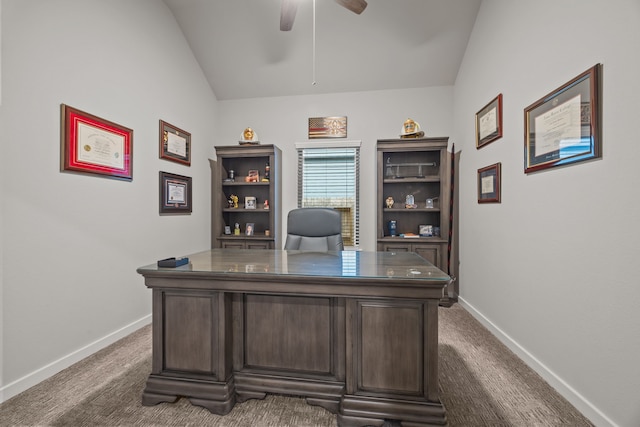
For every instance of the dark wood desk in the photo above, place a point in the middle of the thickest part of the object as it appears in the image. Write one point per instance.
(353, 332)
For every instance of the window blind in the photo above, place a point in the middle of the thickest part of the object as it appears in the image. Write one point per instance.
(330, 177)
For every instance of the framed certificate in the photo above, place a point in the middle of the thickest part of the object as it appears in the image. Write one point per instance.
(563, 127)
(489, 184)
(489, 122)
(92, 145)
(175, 144)
(175, 193)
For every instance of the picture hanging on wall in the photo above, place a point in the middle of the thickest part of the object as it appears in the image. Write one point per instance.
(327, 127)
(92, 145)
(563, 127)
(175, 193)
(489, 186)
(175, 144)
(489, 122)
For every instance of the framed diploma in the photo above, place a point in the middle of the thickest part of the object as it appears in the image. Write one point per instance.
(564, 127)
(175, 193)
(175, 144)
(91, 145)
(489, 183)
(489, 122)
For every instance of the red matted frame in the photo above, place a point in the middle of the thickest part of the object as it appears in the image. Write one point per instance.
(489, 122)
(92, 145)
(489, 183)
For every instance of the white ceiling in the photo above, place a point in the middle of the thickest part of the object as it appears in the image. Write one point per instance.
(393, 44)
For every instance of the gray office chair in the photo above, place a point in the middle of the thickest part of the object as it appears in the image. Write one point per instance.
(314, 229)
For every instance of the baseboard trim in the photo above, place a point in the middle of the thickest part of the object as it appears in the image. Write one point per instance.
(576, 399)
(18, 386)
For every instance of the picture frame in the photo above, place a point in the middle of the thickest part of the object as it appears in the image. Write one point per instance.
(564, 126)
(489, 183)
(489, 122)
(175, 193)
(92, 145)
(425, 230)
(327, 127)
(249, 229)
(249, 202)
(175, 144)
(253, 175)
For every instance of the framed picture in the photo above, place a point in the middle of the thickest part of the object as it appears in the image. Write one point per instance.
(489, 184)
(563, 127)
(489, 122)
(249, 202)
(426, 230)
(175, 193)
(249, 229)
(253, 176)
(175, 144)
(92, 145)
(327, 127)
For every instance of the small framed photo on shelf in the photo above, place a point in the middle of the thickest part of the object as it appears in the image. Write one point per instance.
(92, 145)
(175, 194)
(175, 144)
(253, 176)
(426, 230)
(249, 202)
(249, 229)
(563, 127)
(489, 184)
(489, 122)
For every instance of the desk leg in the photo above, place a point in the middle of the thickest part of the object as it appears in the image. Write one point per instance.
(191, 351)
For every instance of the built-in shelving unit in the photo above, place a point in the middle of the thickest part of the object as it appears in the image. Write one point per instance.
(241, 159)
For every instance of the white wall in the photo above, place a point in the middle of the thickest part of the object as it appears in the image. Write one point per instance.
(554, 266)
(283, 121)
(71, 243)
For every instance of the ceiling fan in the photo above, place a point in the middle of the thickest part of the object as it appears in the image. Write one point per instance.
(289, 8)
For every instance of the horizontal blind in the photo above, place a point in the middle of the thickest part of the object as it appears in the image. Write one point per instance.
(329, 177)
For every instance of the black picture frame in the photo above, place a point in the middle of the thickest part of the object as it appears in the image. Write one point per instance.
(175, 194)
(564, 126)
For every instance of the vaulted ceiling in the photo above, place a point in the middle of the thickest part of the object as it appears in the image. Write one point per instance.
(393, 44)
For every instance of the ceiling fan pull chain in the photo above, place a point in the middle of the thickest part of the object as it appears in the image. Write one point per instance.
(314, 44)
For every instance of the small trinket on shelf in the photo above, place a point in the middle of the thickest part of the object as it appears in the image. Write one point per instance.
(267, 173)
(236, 230)
(389, 202)
(265, 205)
(233, 199)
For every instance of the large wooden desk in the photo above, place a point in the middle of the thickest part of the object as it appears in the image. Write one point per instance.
(353, 332)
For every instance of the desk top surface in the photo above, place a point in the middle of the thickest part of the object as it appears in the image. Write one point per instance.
(397, 266)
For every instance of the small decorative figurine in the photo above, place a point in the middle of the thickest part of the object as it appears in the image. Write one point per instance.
(267, 173)
(236, 230)
(265, 205)
(411, 129)
(389, 202)
(249, 137)
(234, 199)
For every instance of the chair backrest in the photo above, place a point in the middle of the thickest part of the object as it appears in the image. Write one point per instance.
(314, 229)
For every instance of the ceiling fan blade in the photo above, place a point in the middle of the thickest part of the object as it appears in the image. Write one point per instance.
(355, 6)
(288, 14)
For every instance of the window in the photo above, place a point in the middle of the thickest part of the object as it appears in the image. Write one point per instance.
(329, 176)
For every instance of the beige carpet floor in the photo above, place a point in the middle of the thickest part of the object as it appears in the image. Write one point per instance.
(482, 383)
